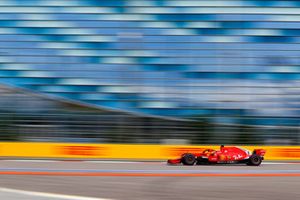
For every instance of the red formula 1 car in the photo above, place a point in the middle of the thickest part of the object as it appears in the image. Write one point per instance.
(226, 155)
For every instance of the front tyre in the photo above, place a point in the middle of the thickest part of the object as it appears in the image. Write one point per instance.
(188, 159)
(254, 160)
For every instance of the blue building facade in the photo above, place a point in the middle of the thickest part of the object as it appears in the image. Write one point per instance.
(231, 61)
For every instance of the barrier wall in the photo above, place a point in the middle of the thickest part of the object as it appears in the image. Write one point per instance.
(123, 151)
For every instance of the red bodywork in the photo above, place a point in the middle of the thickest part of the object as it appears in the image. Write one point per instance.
(224, 155)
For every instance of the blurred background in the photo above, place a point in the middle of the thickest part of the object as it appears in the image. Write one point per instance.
(150, 71)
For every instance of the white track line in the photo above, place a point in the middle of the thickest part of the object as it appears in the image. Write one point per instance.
(30, 160)
(275, 163)
(48, 195)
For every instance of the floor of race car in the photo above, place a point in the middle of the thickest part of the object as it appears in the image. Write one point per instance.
(146, 180)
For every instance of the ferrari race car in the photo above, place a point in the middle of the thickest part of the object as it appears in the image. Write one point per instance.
(226, 155)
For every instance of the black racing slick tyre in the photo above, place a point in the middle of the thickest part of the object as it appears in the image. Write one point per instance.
(255, 160)
(188, 159)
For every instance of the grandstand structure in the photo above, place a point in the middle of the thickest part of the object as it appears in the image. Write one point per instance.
(202, 69)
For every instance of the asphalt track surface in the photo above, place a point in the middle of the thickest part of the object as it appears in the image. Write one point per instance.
(44, 180)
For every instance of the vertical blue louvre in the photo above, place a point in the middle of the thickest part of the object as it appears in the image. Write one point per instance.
(184, 59)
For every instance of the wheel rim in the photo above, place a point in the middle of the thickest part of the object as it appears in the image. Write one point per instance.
(189, 159)
(256, 160)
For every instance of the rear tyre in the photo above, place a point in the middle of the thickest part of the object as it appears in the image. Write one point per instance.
(188, 159)
(255, 160)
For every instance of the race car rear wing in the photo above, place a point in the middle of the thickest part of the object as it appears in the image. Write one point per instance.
(260, 152)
